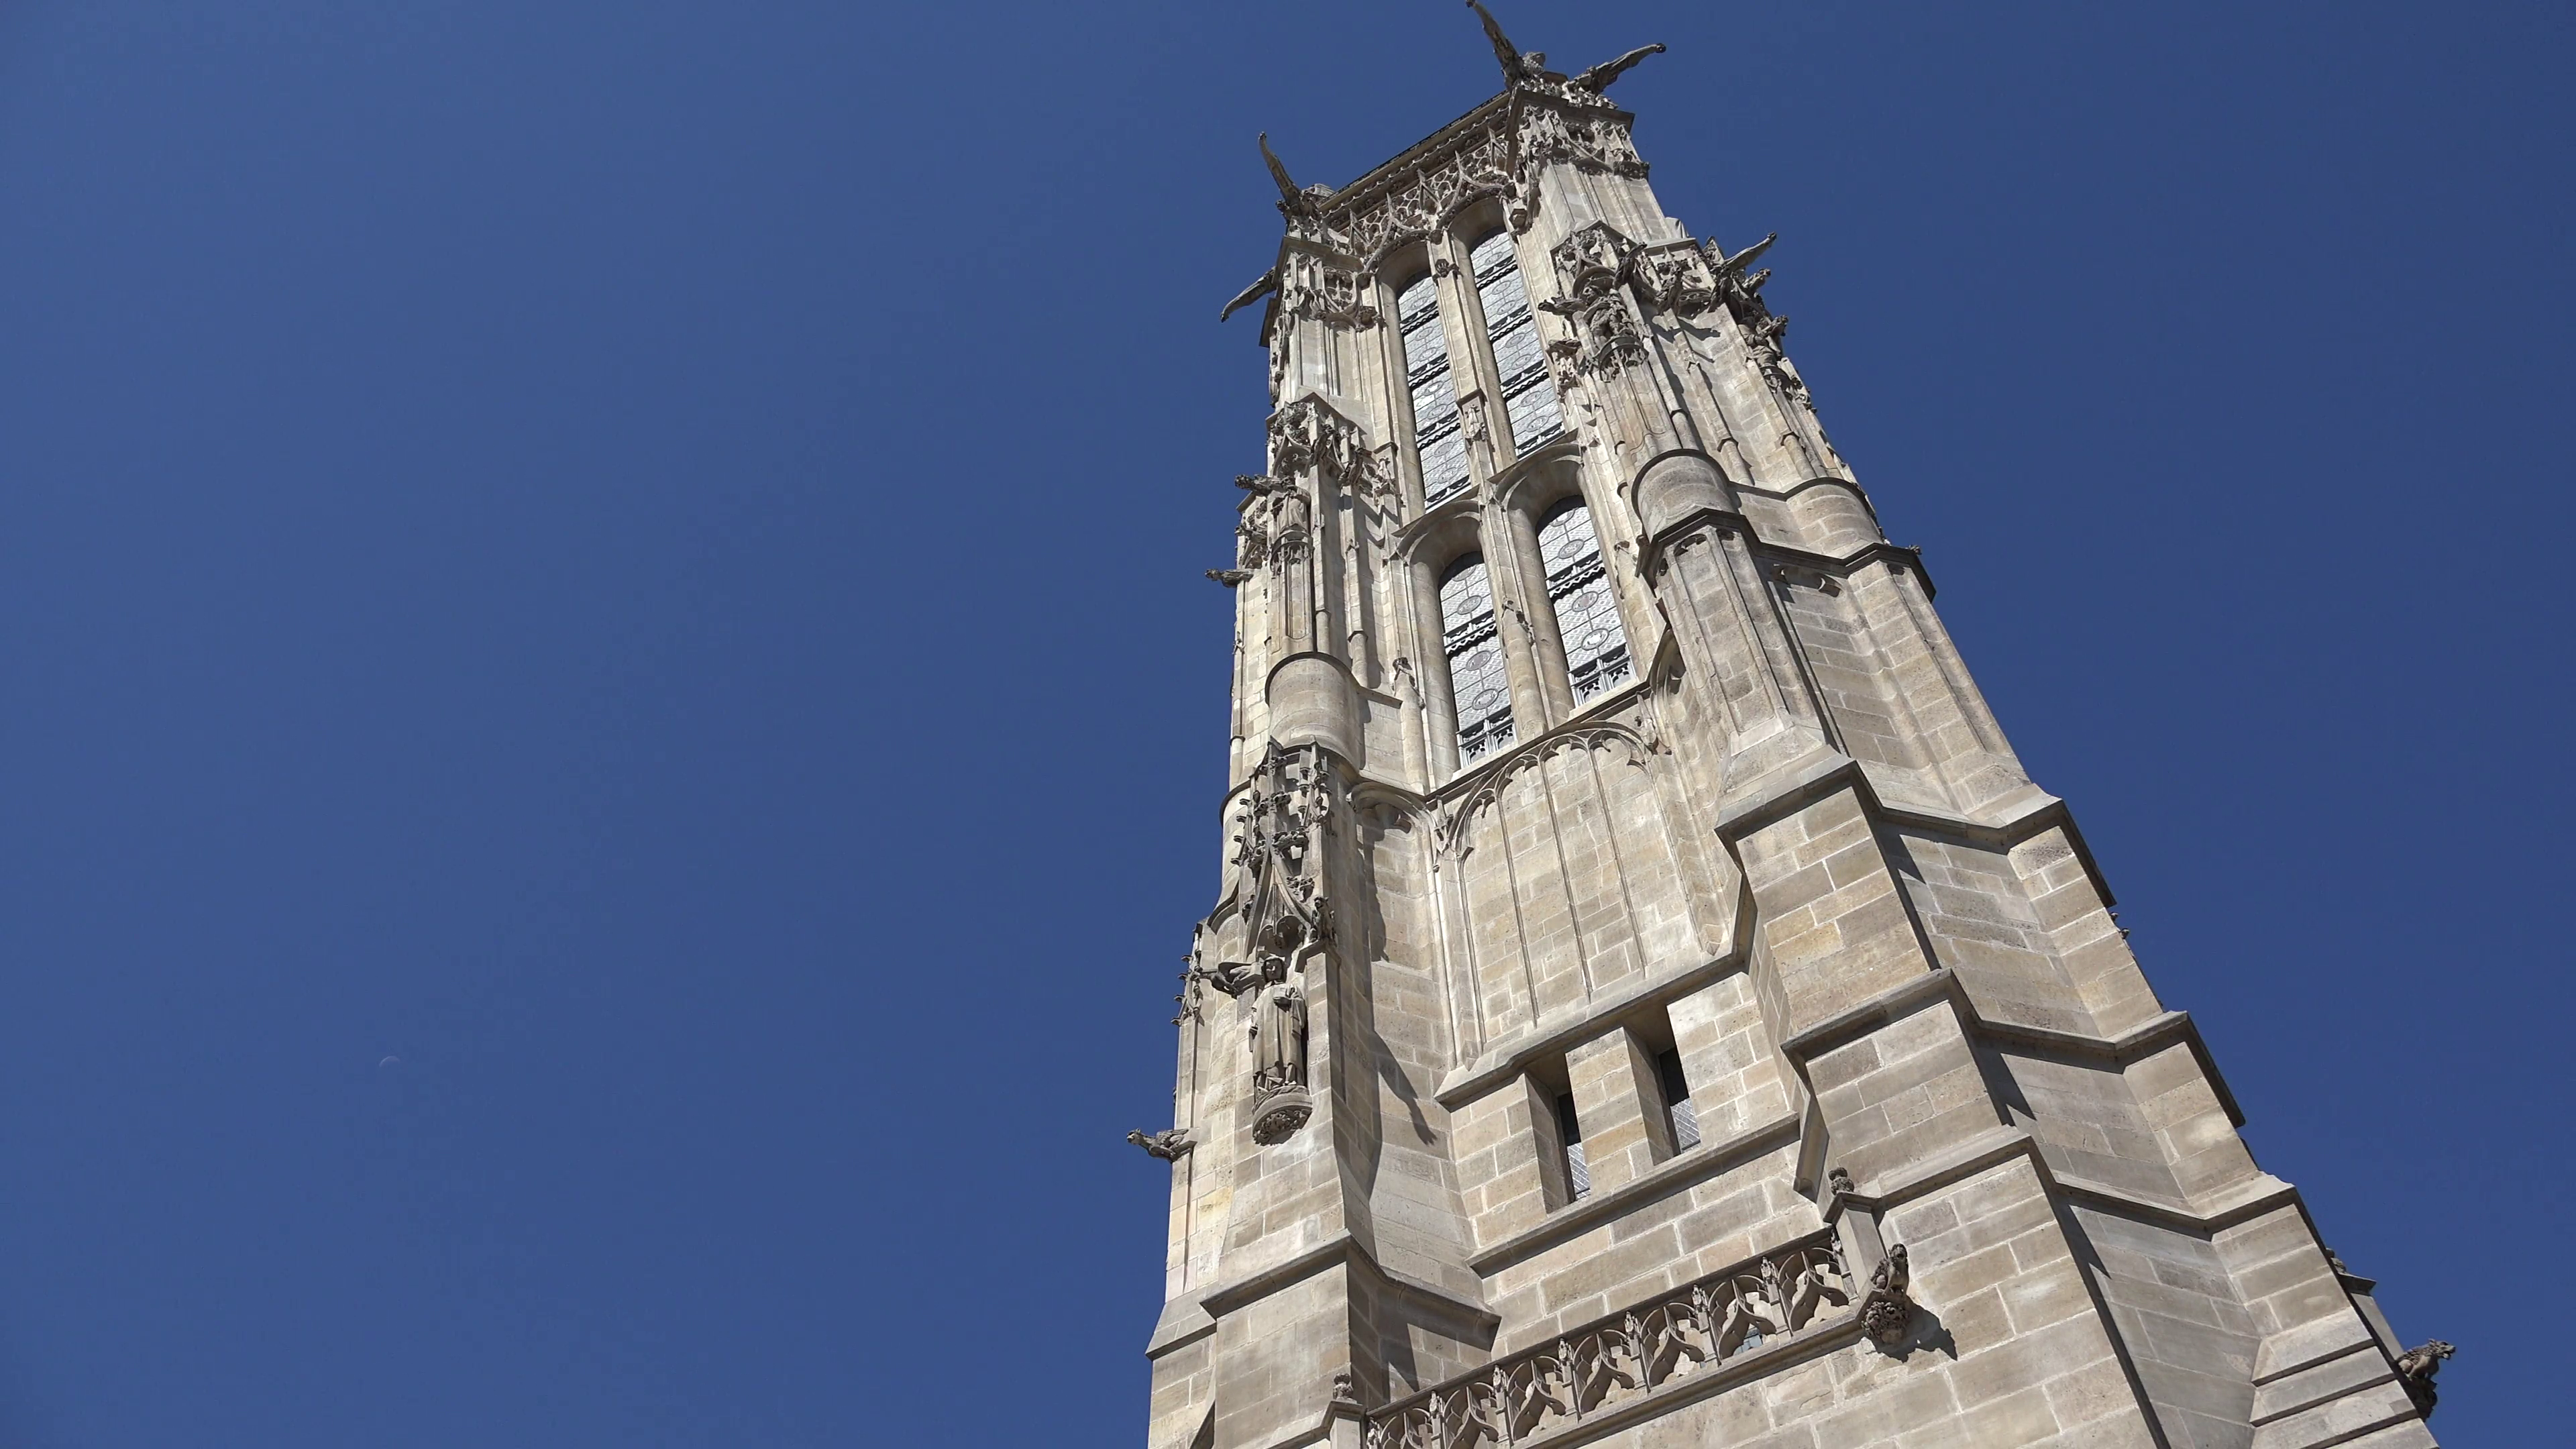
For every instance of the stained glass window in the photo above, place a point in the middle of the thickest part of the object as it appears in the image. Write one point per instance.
(1477, 679)
(1529, 398)
(1435, 398)
(1587, 616)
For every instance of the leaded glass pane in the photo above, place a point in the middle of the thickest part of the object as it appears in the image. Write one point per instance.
(1478, 681)
(1435, 406)
(1529, 396)
(1426, 347)
(1417, 301)
(1535, 416)
(1504, 302)
(1587, 615)
(1517, 354)
(1436, 437)
(1444, 467)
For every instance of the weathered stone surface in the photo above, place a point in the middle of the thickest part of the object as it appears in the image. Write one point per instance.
(1655, 932)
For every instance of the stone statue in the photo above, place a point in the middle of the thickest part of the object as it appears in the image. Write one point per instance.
(2416, 1367)
(1266, 283)
(1598, 79)
(1295, 200)
(1887, 1313)
(1170, 1144)
(1891, 1275)
(1517, 67)
(1278, 1029)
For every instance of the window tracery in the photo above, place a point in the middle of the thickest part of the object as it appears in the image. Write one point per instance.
(1436, 433)
(1578, 587)
(1529, 396)
(1478, 681)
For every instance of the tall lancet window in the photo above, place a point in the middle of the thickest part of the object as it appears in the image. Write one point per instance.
(1435, 399)
(1587, 617)
(1477, 679)
(1529, 398)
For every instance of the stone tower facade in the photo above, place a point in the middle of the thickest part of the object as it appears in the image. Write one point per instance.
(1646, 1002)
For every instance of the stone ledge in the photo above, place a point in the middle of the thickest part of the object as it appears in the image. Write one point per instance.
(2213, 1214)
(2340, 1376)
(1501, 1063)
(2143, 1040)
(1847, 1026)
(1185, 1320)
(1674, 1174)
(1729, 520)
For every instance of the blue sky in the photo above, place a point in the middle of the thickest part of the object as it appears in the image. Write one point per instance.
(643, 561)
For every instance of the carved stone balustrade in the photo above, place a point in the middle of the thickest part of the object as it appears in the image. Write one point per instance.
(1787, 1295)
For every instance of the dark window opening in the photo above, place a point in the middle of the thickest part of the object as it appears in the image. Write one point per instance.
(1578, 1174)
(1677, 1101)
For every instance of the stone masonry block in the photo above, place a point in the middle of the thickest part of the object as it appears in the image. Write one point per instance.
(1624, 1131)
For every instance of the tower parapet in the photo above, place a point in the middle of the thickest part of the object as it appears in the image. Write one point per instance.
(1647, 1001)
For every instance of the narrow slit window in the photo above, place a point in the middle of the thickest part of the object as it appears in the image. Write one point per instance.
(1436, 436)
(1578, 1174)
(1578, 588)
(1529, 397)
(1478, 682)
(1677, 1100)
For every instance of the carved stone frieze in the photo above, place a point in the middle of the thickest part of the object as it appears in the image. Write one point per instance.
(1590, 137)
(1675, 278)
(1421, 198)
(1308, 433)
(1590, 266)
(1313, 286)
(1558, 1383)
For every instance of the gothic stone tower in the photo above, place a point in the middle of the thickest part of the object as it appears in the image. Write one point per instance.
(1646, 1003)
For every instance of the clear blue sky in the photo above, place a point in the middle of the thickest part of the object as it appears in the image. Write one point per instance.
(643, 559)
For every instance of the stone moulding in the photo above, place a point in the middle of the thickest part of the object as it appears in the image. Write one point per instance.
(1731, 1326)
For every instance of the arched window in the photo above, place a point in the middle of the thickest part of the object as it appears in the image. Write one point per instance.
(1436, 438)
(1477, 680)
(1529, 398)
(1587, 617)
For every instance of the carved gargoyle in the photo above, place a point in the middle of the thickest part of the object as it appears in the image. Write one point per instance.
(1887, 1313)
(1170, 1144)
(1519, 66)
(1229, 577)
(1599, 77)
(2415, 1369)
